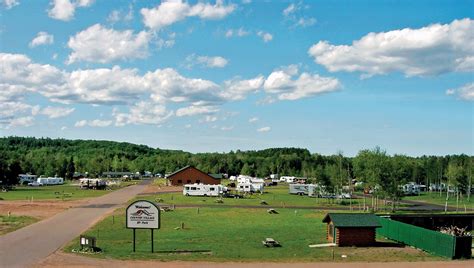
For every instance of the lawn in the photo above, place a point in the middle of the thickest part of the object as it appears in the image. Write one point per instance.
(59, 192)
(229, 234)
(435, 198)
(274, 196)
(12, 223)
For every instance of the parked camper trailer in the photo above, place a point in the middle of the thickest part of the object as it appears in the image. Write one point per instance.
(26, 178)
(303, 189)
(96, 184)
(411, 189)
(250, 187)
(50, 181)
(288, 179)
(204, 190)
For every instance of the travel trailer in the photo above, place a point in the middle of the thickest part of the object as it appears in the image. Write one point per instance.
(303, 189)
(96, 184)
(50, 181)
(249, 187)
(204, 189)
(411, 188)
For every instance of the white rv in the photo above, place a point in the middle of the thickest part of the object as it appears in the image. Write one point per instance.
(50, 181)
(288, 179)
(204, 190)
(249, 187)
(26, 178)
(411, 188)
(303, 189)
(98, 184)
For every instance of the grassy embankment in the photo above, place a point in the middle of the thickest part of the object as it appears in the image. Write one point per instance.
(66, 191)
(229, 234)
(12, 223)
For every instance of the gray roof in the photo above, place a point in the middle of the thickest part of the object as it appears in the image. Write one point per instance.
(352, 219)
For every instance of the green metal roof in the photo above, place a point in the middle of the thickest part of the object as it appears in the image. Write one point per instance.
(216, 176)
(352, 219)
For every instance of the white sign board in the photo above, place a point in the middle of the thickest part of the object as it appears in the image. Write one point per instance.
(143, 215)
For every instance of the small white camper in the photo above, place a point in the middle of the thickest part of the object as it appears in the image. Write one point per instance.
(50, 181)
(302, 189)
(204, 190)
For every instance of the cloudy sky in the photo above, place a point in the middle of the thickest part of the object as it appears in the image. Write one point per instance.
(206, 76)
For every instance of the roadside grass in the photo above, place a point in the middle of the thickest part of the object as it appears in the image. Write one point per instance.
(56, 192)
(230, 234)
(12, 223)
(436, 198)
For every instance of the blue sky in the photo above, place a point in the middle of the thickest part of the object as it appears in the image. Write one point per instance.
(215, 76)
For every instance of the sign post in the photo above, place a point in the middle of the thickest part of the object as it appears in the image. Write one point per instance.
(143, 214)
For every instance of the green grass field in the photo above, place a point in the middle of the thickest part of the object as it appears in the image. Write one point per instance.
(230, 234)
(12, 223)
(273, 196)
(435, 198)
(56, 192)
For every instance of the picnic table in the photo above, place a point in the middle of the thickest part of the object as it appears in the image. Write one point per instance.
(270, 242)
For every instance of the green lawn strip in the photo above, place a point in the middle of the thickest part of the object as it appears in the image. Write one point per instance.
(57, 192)
(12, 223)
(435, 198)
(232, 235)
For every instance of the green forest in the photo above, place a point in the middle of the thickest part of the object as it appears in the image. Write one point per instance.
(60, 157)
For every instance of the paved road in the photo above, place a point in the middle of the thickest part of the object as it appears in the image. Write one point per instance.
(33, 243)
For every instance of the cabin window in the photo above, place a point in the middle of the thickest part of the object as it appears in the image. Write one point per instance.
(180, 181)
(211, 189)
(193, 188)
(198, 181)
(187, 188)
(247, 186)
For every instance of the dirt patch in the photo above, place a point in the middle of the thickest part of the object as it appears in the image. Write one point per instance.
(60, 259)
(155, 189)
(40, 209)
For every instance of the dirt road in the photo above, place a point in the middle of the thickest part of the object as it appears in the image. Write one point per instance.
(33, 243)
(60, 259)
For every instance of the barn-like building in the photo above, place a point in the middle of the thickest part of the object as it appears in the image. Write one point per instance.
(191, 175)
(351, 229)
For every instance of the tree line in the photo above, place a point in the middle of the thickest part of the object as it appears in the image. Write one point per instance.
(376, 168)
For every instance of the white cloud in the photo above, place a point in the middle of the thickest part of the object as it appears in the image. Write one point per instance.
(42, 38)
(10, 3)
(210, 118)
(22, 122)
(431, 50)
(238, 89)
(103, 45)
(266, 37)
(63, 128)
(93, 123)
(187, 126)
(264, 129)
(56, 112)
(120, 15)
(287, 86)
(206, 61)
(64, 9)
(305, 22)
(227, 128)
(465, 92)
(172, 11)
(246, 2)
(289, 10)
(236, 32)
(196, 110)
(253, 119)
(147, 113)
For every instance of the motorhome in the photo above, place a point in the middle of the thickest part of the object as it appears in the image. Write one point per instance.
(204, 190)
(50, 181)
